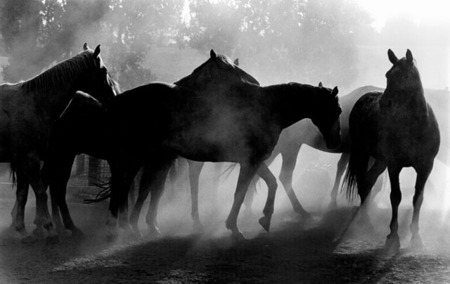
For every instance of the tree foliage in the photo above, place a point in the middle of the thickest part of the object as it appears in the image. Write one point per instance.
(307, 40)
(278, 40)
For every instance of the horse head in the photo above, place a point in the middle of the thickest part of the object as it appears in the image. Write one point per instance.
(98, 81)
(326, 118)
(217, 70)
(404, 73)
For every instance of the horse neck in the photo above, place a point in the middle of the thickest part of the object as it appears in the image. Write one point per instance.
(411, 100)
(290, 102)
(52, 90)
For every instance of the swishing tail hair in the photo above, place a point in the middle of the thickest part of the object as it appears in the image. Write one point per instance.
(103, 194)
(356, 168)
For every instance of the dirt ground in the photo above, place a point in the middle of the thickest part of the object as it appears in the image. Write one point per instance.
(293, 252)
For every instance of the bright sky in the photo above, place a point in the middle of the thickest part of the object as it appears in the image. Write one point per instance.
(436, 11)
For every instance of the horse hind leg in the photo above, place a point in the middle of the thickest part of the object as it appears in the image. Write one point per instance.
(272, 185)
(287, 170)
(341, 165)
(156, 189)
(144, 190)
(422, 176)
(246, 173)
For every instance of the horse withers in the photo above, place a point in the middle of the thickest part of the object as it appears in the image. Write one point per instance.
(397, 128)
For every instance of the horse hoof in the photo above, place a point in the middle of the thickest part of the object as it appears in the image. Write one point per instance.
(77, 233)
(198, 228)
(29, 239)
(237, 236)
(153, 233)
(38, 233)
(416, 243)
(265, 223)
(52, 240)
(392, 245)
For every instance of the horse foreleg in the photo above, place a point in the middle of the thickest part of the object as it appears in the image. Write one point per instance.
(18, 212)
(287, 170)
(246, 173)
(341, 165)
(195, 169)
(422, 176)
(392, 244)
(157, 189)
(272, 185)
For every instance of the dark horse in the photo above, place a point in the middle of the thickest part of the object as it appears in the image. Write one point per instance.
(289, 144)
(240, 125)
(398, 129)
(30, 110)
(84, 118)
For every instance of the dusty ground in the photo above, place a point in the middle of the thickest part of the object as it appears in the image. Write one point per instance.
(294, 252)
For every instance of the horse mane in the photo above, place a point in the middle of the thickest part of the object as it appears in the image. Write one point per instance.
(69, 69)
(225, 59)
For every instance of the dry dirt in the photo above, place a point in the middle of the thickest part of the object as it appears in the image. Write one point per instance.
(293, 252)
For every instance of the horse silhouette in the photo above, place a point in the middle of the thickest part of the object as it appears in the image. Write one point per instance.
(30, 109)
(398, 129)
(167, 121)
(73, 124)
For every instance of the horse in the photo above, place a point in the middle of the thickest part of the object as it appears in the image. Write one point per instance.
(30, 109)
(241, 125)
(398, 129)
(83, 117)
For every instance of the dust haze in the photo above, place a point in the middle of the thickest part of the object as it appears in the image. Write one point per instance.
(333, 42)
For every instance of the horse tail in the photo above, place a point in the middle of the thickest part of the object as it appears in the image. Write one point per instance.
(228, 170)
(357, 166)
(103, 194)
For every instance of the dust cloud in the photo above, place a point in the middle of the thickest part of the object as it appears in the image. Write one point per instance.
(305, 41)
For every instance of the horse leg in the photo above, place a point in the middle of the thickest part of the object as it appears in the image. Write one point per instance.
(368, 182)
(287, 170)
(121, 179)
(145, 185)
(144, 190)
(249, 197)
(392, 244)
(422, 176)
(157, 189)
(272, 185)
(18, 212)
(195, 169)
(58, 189)
(246, 173)
(341, 165)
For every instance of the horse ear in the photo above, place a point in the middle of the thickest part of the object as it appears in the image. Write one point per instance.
(85, 46)
(236, 62)
(392, 57)
(320, 85)
(213, 54)
(409, 56)
(97, 51)
(335, 91)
